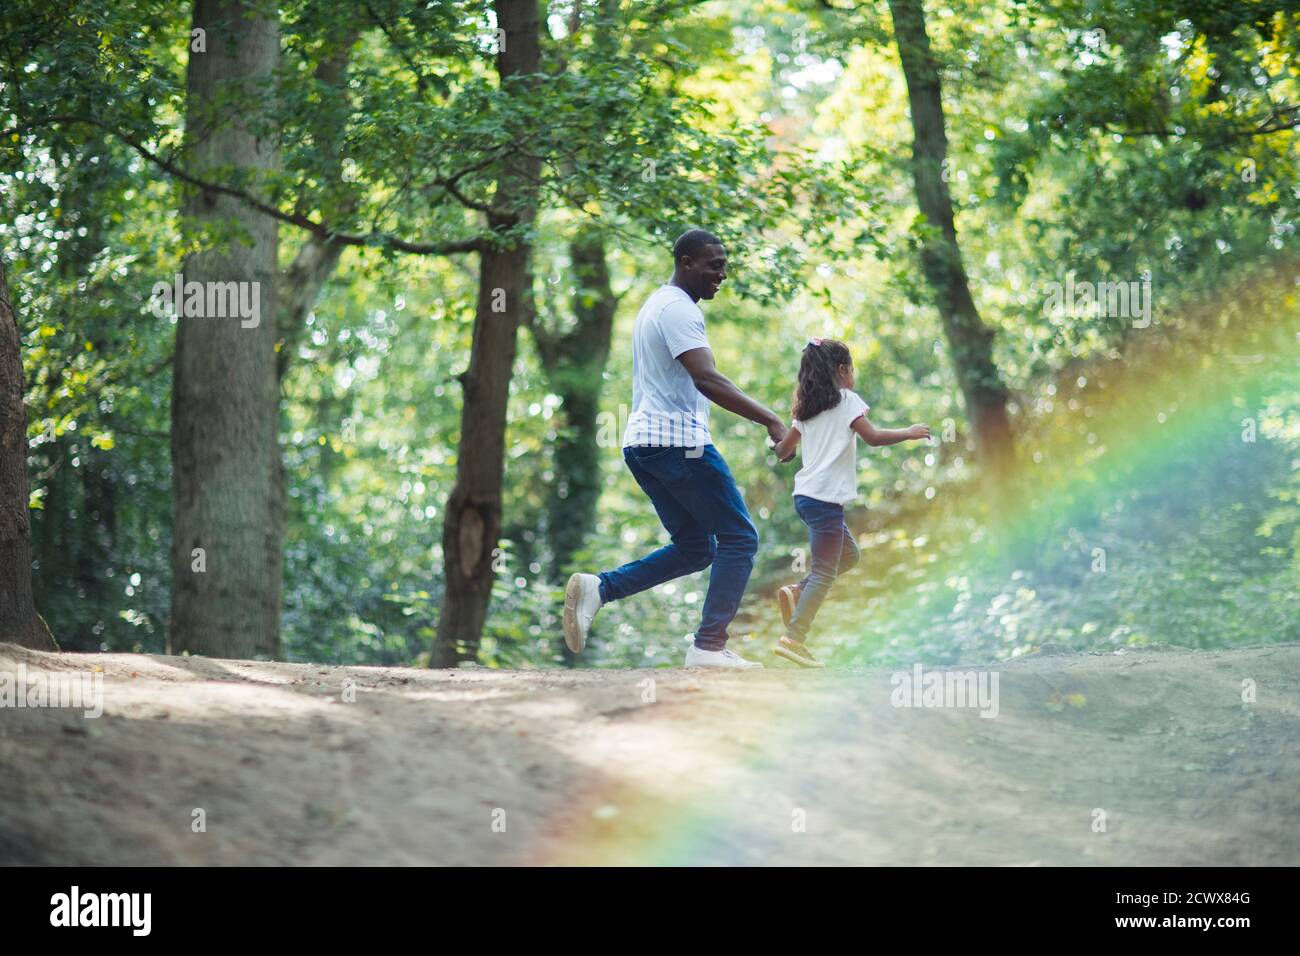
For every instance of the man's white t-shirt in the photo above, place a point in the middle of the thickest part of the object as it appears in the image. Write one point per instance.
(829, 447)
(667, 408)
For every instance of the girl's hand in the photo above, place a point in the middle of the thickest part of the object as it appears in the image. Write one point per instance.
(917, 432)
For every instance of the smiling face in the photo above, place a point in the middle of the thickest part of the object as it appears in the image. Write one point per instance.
(702, 275)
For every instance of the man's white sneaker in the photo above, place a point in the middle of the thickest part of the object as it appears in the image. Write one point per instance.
(723, 658)
(581, 602)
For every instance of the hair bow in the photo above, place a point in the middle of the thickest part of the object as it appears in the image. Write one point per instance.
(814, 341)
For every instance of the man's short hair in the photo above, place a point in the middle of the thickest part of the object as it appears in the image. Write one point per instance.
(692, 242)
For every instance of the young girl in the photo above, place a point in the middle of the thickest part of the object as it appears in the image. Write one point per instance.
(828, 417)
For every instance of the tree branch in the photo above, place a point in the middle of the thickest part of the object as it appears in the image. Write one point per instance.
(421, 81)
(1276, 122)
(319, 229)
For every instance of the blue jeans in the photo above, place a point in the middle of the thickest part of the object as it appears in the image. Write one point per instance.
(699, 504)
(833, 552)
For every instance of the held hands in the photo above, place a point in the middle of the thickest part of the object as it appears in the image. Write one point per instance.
(778, 434)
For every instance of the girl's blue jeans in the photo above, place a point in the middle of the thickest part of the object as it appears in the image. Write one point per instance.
(833, 552)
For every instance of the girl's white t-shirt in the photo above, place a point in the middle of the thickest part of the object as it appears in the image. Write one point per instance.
(829, 447)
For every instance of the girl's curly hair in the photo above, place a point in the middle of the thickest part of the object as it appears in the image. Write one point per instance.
(819, 385)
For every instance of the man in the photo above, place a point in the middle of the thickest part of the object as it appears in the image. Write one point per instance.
(669, 451)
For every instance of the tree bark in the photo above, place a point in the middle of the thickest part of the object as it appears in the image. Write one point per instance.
(969, 340)
(19, 622)
(472, 519)
(225, 451)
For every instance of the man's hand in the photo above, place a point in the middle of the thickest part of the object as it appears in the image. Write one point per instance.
(776, 432)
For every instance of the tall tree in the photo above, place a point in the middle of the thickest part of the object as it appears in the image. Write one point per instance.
(472, 523)
(226, 557)
(574, 361)
(19, 621)
(970, 341)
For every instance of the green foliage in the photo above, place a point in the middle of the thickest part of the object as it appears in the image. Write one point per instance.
(1158, 149)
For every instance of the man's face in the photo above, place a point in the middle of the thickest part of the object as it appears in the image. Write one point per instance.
(704, 273)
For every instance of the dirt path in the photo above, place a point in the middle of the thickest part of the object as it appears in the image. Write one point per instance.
(656, 766)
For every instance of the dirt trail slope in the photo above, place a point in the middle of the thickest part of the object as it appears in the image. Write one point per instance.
(481, 767)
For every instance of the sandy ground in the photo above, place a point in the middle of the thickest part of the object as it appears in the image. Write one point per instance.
(306, 764)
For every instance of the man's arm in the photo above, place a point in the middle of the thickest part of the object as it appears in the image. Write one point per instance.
(887, 436)
(720, 390)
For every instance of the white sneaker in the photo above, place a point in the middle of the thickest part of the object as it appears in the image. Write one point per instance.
(581, 602)
(723, 658)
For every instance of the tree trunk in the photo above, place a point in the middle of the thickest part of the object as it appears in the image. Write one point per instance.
(301, 286)
(19, 622)
(575, 366)
(574, 361)
(969, 340)
(225, 452)
(472, 519)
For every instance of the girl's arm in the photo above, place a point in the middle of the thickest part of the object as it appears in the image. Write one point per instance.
(887, 436)
(784, 449)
